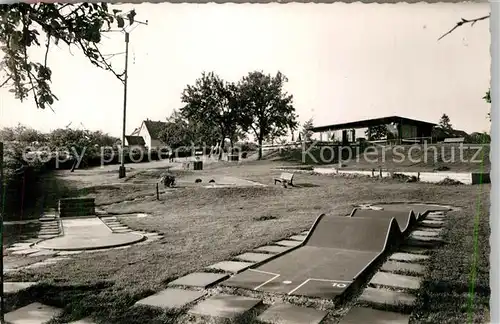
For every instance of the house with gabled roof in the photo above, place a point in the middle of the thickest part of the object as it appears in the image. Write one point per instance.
(150, 133)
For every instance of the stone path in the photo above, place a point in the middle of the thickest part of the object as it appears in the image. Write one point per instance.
(394, 287)
(34, 313)
(191, 292)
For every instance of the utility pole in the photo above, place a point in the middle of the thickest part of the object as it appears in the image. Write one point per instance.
(121, 170)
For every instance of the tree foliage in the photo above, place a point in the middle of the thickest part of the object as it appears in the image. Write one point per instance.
(22, 134)
(444, 123)
(215, 103)
(479, 138)
(176, 132)
(24, 26)
(306, 129)
(487, 97)
(377, 132)
(268, 109)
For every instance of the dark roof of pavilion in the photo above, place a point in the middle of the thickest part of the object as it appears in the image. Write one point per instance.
(372, 122)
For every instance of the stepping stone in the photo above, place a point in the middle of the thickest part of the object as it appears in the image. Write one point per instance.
(32, 241)
(83, 321)
(288, 243)
(45, 237)
(15, 249)
(394, 266)
(34, 313)
(272, 249)
(379, 296)
(19, 245)
(14, 287)
(47, 218)
(395, 281)
(408, 257)
(43, 253)
(49, 224)
(171, 298)
(291, 314)
(119, 228)
(362, 315)
(55, 260)
(422, 243)
(429, 240)
(426, 233)
(436, 213)
(48, 233)
(231, 266)
(435, 218)
(224, 306)
(304, 233)
(126, 231)
(112, 225)
(69, 252)
(429, 229)
(414, 249)
(25, 252)
(199, 279)
(298, 237)
(253, 257)
(432, 223)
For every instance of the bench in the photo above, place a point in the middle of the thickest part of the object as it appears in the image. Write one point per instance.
(285, 178)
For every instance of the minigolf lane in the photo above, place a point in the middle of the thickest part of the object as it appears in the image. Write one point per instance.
(88, 234)
(404, 218)
(419, 209)
(335, 253)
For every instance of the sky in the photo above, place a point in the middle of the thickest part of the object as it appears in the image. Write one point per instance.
(344, 62)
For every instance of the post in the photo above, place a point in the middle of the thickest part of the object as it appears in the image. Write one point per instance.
(157, 192)
(121, 171)
(2, 209)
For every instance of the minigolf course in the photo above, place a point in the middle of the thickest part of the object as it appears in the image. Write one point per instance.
(335, 253)
(88, 234)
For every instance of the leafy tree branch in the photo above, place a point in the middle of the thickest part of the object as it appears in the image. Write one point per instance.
(22, 26)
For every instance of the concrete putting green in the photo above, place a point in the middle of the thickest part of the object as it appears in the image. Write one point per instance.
(88, 234)
(218, 181)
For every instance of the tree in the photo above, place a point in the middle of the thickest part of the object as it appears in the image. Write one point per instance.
(268, 110)
(479, 138)
(84, 143)
(22, 134)
(215, 103)
(306, 129)
(77, 25)
(444, 123)
(377, 132)
(175, 133)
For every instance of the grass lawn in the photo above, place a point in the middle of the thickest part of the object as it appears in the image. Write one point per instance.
(203, 226)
